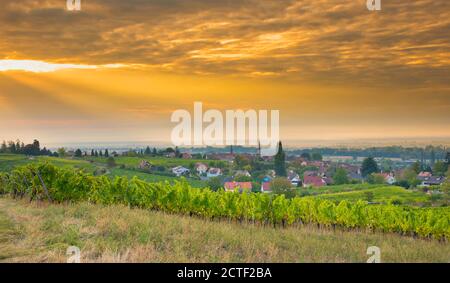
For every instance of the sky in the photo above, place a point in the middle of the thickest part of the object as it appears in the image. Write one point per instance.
(117, 70)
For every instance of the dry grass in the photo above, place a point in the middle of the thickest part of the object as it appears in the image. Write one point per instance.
(42, 233)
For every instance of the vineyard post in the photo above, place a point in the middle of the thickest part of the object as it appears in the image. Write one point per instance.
(25, 182)
(44, 186)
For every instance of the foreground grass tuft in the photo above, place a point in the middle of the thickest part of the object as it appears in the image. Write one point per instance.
(41, 233)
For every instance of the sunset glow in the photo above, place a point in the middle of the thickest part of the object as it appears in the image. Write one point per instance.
(335, 71)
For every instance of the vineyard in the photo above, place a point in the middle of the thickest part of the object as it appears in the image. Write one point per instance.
(61, 185)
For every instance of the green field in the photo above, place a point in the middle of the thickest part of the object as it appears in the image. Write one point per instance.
(338, 189)
(380, 195)
(10, 161)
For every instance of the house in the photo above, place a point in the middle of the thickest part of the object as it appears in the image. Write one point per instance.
(294, 178)
(180, 171)
(240, 186)
(201, 168)
(389, 178)
(431, 181)
(144, 164)
(171, 155)
(214, 172)
(351, 169)
(424, 175)
(242, 173)
(265, 188)
(328, 181)
(186, 155)
(309, 173)
(313, 181)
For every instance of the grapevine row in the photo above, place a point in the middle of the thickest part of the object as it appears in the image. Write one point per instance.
(45, 181)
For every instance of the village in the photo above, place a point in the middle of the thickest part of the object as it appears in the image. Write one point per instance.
(247, 172)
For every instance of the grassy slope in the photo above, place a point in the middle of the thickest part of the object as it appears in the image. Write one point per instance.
(42, 233)
(10, 161)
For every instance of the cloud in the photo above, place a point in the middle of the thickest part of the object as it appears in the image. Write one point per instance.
(301, 40)
(42, 67)
(326, 64)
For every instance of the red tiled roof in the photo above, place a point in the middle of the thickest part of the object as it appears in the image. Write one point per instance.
(240, 185)
(314, 181)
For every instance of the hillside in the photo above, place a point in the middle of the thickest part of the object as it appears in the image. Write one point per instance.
(126, 166)
(39, 232)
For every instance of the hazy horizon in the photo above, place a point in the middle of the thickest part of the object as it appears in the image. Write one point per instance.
(288, 144)
(117, 70)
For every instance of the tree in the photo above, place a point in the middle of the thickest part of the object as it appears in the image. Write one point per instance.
(111, 162)
(215, 183)
(96, 153)
(36, 147)
(256, 187)
(369, 166)
(106, 153)
(340, 177)
(432, 157)
(78, 153)
(92, 153)
(4, 148)
(101, 153)
(147, 151)
(61, 152)
(306, 155)
(416, 167)
(410, 176)
(282, 186)
(18, 147)
(12, 147)
(241, 161)
(439, 168)
(155, 152)
(316, 156)
(280, 161)
(375, 178)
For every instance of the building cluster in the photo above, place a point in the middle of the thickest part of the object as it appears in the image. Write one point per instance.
(316, 173)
